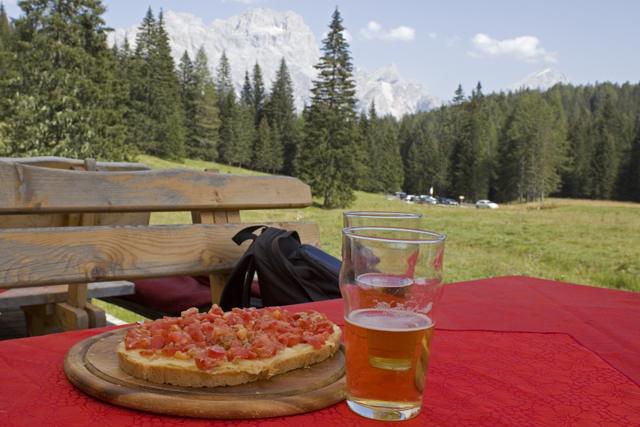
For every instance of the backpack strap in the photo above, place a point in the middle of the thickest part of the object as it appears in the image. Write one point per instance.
(237, 289)
(246, 234)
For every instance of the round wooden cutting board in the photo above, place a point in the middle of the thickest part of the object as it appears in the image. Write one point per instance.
(92, 366)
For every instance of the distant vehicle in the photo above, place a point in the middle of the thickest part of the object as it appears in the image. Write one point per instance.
(400, 195)
(410, 199)
(448, 202)
(428, 200)
(486, 204)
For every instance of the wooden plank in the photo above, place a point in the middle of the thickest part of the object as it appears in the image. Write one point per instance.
(64, 163)
(60, 220)
(58, 293)
(65, 317)
(97, 316)
(49, 256)
(37, 325)
(33, 189)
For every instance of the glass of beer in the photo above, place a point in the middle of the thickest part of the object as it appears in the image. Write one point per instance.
(382, 219)
(391, 282)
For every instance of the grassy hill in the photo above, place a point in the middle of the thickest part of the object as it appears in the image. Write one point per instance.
(578, 241)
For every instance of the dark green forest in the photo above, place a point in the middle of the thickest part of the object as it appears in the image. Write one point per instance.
(65, 92)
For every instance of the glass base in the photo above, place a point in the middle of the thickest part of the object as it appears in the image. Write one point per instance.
(385, 411)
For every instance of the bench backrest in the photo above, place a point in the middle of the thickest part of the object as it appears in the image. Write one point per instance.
(105, 252)
(74, 219)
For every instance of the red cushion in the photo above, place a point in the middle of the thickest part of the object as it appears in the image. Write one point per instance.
(172, 294)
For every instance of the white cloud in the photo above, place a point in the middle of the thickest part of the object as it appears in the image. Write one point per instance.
(432, 35)
(525, 48)
(373, 30)
(345, 33)
(452, 41)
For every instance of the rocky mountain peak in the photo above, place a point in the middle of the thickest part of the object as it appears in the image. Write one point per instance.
(265, 36)
(542, 79)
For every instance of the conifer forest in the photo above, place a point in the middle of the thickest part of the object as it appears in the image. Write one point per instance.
(66, 93)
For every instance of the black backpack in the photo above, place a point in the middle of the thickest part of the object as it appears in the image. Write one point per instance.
(288, 272)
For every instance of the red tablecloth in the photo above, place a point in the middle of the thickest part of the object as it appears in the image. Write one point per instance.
(509, 351)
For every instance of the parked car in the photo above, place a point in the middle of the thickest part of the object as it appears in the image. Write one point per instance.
(410, 199)
(486, 204)
(448, 202)
(428, 200)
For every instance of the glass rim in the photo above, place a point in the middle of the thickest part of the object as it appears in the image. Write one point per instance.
(381, 214)
(436, 237)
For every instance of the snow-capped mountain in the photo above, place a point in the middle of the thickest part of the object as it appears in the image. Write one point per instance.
(543, 79)
(391, 93)
(265, 36)
(258, 35)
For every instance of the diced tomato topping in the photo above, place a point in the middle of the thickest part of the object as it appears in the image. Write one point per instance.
(314, 341)
(268, 351)
(205, 363)
(169, 352)
(293, 340)
(197, 335)
(178, 337)
(213, 338)
(237, 352)
(157, 342)
(216, 352)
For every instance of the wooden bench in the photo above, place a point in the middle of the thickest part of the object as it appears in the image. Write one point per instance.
(37, 302)
(86, 253)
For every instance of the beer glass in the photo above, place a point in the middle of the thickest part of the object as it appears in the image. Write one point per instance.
(391, 282)
(383, 219)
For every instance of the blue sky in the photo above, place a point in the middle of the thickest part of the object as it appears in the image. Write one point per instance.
(446, 43)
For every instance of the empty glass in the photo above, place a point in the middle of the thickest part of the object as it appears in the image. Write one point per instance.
(382, 219)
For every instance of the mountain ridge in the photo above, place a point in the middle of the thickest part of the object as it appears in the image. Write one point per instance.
(266, 36)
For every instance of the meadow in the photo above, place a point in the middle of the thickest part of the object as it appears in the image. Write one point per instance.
(587, 242)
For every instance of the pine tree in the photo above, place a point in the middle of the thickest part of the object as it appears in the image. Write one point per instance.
(468, 177)
(244, 132)
(259, 95)
(66, 99)
(604, 164)
(281, 112)
(577, 176)
(246, 96)
(7, 55)
(156, 120)
(229, 117)
(331, 152)
(267, 150)
(202, 127)
(223, 81)
(629, 179)
(458, 96)
(391, 171)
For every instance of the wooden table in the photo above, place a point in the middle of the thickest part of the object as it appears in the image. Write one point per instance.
(12, 320)
(509, 351)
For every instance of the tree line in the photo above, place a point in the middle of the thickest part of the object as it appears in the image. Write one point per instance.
(66, 93)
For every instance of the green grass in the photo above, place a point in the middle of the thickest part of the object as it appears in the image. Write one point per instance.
(577, 241)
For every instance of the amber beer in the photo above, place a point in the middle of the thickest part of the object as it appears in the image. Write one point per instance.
(387, 355)
(391, 284)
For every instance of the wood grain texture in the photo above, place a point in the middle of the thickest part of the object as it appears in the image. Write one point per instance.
(64, 163)
(92, 365)
(51, 256)
(51, 294)
(31, 189)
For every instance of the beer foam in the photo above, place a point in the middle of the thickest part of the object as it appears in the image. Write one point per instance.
(389, 320)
